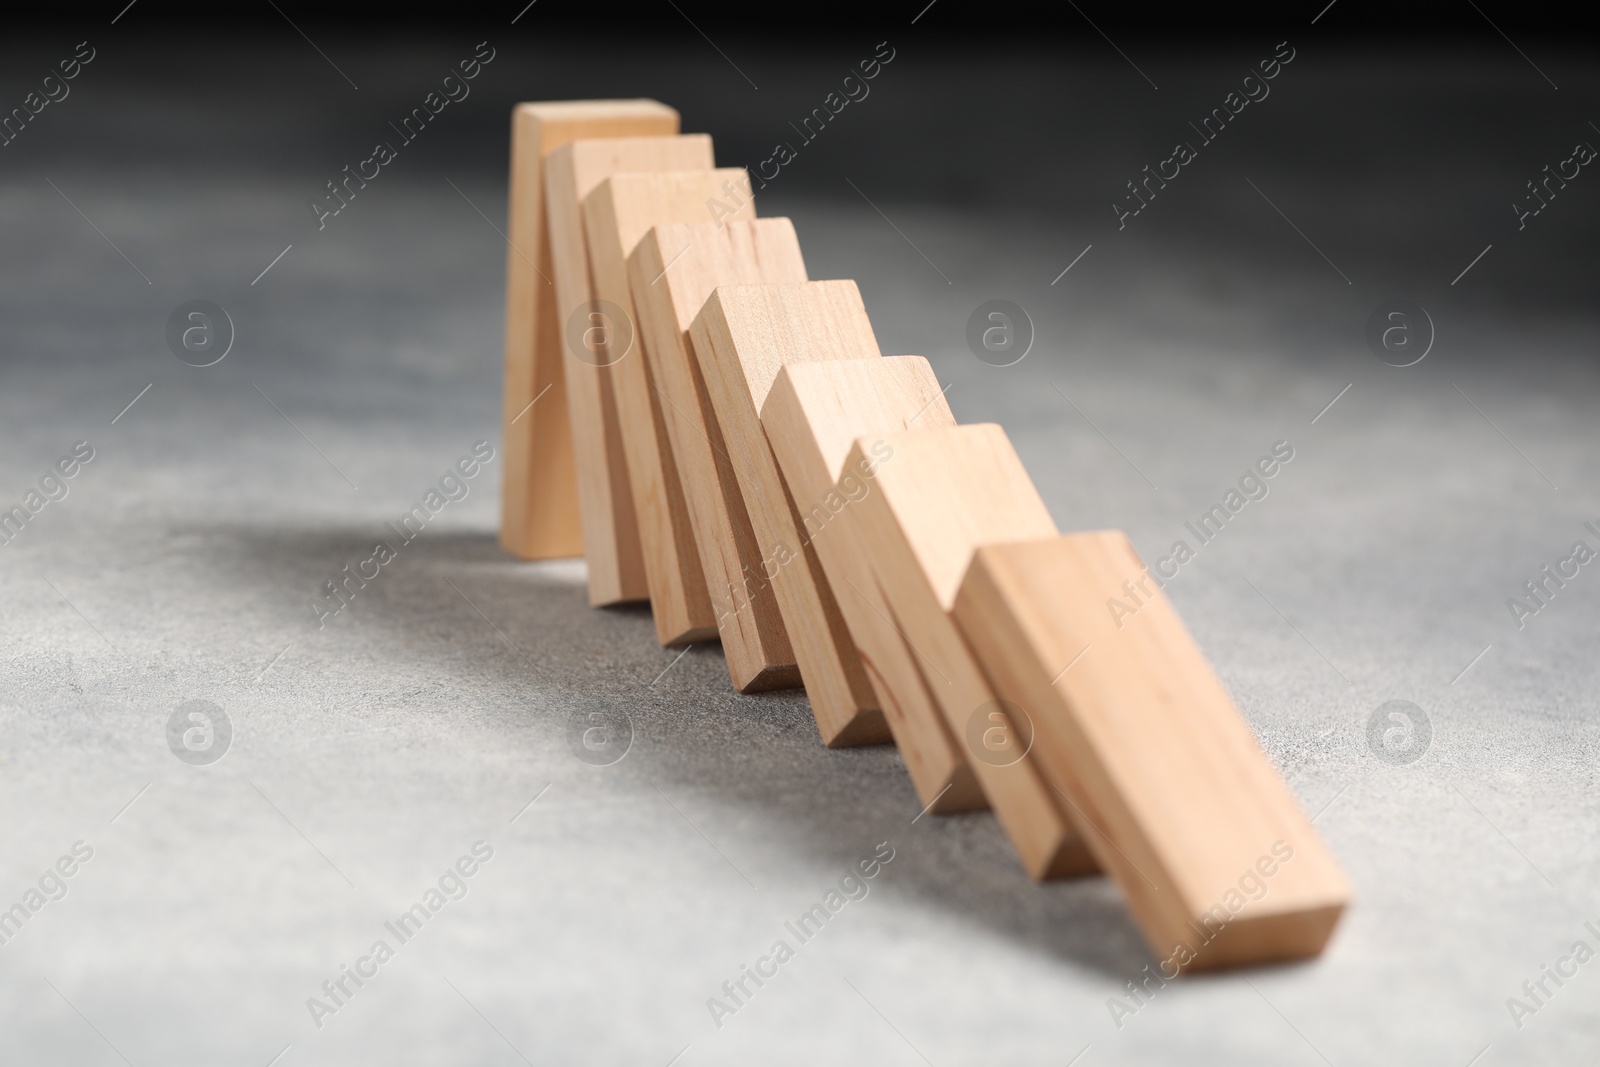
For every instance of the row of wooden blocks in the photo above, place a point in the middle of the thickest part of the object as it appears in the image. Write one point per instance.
(720, 435)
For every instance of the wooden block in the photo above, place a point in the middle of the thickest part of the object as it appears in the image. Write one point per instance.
(702, 256)
(616, 215)
(1219, 864)
(742, 336)
(610, 526)
(539, 504)
(938, 495)
(813, 414)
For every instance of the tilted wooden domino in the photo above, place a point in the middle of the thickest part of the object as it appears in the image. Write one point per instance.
(539, 505)
(813, 415)
(610, 527)
(742, 336)
(672, 271)
(1217, 861)
(616, 215)
(937, 495)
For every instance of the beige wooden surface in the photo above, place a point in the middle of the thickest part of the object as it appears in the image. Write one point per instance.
(672, 271)
(938, 495)
(1217, 861)
(610, 527)
(742, 337)
(539, 516)
(812, 415)
(617, 213)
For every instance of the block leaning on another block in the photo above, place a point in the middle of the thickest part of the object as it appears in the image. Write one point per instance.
(1218, 863)
(813, 415)
(616, 215)
(742, 336)
(610, 527)
(539, 504)
(672, 271)
(937, 495)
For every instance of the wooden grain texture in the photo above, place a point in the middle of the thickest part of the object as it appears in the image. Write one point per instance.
(937, 495)
(611, 543)
(539, 514)
(672, 271)
(813, 415)
(616, 215)
(742, 337)
(1218, 863)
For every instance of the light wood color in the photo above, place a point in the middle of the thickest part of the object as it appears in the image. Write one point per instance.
(1219, 864)
(672, 271)
(616, 215)
(610, 526)
(742, 336)
(813, 414)
(936, 496)
(539, 505)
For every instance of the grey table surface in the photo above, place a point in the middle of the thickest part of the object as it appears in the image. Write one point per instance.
(369, 754)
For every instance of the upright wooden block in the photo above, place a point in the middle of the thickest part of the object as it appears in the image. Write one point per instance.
(539, 505)
(610, 526)
(1218, 863)
(742, 336)
(813, 414)
(672, 272)
(937, 496)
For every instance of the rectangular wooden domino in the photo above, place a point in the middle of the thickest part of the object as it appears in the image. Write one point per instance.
(616, 215)
(1217, 861)
(742, 336)
(610, 527)
(539, 516)
(812, 415)
(672, 271)
(937, 495)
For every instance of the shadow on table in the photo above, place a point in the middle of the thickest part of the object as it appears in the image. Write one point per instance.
(527, 628)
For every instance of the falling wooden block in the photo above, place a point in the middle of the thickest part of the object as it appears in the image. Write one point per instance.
(616, 215)
(812, 415)
(742, 337)
(539, 505)
(1218, 863)
(672, 271)
(610, 526)
(935, 497)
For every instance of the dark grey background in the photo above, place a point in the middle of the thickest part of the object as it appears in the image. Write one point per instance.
(368, 755)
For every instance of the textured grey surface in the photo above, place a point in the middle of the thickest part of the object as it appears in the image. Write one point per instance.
(367, 756)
